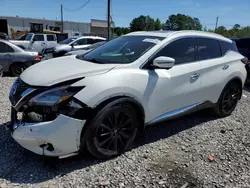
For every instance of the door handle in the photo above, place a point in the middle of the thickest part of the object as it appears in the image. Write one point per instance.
(195, 76)
(225, 67)
(43, 44)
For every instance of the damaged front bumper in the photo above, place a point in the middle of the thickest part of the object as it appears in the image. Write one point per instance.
(56, 138)
(50, 121)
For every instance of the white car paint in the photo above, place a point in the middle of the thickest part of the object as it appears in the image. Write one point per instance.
(51, 132)
(36, 46)
(74, 46)
(159, 91)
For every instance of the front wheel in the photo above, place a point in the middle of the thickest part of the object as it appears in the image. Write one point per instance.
(112, 131)
(228, 100)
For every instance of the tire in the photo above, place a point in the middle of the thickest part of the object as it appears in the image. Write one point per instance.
(17, 69)
(111, 132)
(228, 99)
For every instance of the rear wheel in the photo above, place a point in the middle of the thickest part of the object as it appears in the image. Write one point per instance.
(17, 69)
(228, 100)
(111, 132)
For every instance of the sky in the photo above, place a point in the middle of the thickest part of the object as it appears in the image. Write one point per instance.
(229, 12)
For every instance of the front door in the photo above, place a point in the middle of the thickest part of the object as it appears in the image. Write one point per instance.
(178, 87)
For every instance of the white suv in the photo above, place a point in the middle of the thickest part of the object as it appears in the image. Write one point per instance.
(101, 100)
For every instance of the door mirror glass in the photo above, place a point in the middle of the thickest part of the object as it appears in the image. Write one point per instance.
(33, 40)
(163, 62)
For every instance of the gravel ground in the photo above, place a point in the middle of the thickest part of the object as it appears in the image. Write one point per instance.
(195, 151)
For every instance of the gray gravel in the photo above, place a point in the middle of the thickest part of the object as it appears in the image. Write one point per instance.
(195, 151)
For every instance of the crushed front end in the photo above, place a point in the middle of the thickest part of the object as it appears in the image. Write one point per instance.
(47, 120)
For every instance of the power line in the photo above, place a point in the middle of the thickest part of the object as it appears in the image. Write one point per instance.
(77, 9)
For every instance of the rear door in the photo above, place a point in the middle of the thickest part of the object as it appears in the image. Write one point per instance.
(216, 67)
(51, 41)
(6, 55)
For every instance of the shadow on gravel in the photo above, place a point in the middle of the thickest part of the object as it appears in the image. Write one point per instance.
(18, 165)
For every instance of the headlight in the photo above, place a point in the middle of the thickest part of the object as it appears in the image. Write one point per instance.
(54, 96)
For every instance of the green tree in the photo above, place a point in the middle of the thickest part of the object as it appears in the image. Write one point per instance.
(121, 31)
(158, 25)
(182, 22)
(142, 23)
(236, 27)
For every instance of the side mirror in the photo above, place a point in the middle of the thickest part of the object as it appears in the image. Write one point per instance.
(163, 62)
(72, 45)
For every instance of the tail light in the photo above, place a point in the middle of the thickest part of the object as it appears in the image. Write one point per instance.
(245, 60)
(38, 58)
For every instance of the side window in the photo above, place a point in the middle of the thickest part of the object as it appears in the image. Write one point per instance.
(4, 48)
(182, 50)
(208, 49)
(39, 37)
(50, 38)
(225, 47)
(81, 42)
(91, 41)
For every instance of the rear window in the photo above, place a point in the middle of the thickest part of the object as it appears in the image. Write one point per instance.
(50, 38)
(208, 49)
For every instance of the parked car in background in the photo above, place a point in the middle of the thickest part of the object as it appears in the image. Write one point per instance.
(79, 43)
(36, 42)
(47, 53)
(243, 45)
(101, 100)
(15, 60)
(86, 49)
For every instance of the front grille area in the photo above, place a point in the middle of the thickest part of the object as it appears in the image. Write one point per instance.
(17, 89)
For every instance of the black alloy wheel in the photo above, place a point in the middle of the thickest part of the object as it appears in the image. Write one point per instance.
(112, 131)
(228, 100)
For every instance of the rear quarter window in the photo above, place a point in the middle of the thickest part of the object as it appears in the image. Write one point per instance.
(226, 46)
(208, 49)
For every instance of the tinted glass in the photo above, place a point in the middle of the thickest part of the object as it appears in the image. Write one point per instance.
(90, 41)
(4, 48)
(182, 50)
(122, 50)
(67, 41)
(243, 43)
(80, 42)
(225, 47)
(208, 49)
(50, 38)
(39, 38)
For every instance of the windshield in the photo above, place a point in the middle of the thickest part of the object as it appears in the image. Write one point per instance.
(28, 37)
(122, 50)
(67, 41)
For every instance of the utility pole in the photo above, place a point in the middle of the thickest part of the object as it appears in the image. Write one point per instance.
(216, 23)
(61, 18)
(109, 19)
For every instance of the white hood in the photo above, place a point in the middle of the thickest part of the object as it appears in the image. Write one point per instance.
(62, 69)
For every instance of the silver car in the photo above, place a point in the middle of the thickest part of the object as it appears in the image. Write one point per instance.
(14, 59)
